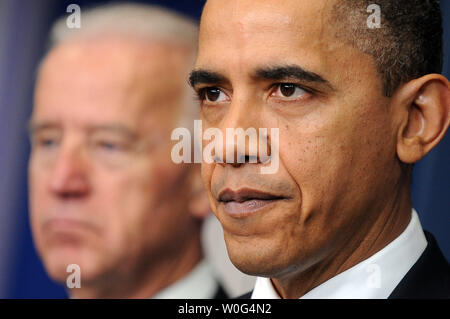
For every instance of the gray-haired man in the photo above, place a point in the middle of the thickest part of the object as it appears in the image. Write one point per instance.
(104, 194)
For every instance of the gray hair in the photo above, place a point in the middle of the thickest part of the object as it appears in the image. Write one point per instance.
(146, 22)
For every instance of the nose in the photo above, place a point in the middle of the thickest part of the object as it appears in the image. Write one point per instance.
(243, 134)
(69, 177)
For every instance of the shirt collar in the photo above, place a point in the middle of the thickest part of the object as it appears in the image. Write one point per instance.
(374, 278)
(200, 283)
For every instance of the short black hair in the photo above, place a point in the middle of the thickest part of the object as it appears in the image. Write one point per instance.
(408, 43)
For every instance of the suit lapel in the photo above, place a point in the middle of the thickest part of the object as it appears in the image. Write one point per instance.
(428, 278)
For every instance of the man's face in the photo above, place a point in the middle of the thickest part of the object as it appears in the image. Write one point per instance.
(276, 64)
(103, 191)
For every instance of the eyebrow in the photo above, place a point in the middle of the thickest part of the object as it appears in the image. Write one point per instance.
(114, 128)
(287, 72)
(34, 127)
(276, 73)
(201, 76)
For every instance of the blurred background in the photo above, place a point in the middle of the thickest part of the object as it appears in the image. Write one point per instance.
(24, 25)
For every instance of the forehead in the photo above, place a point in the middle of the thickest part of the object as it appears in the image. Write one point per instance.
(242, 24)
(239, 36)
(117, 59)
(111, 75)
(246, 16)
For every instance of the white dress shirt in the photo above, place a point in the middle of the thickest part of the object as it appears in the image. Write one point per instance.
(200, 283)
(374, 278)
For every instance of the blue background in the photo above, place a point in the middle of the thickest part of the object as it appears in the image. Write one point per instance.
(23, 33)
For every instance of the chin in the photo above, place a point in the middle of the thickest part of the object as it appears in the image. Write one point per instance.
(254, 264)
(269, 257)
(57, 259)
(255, 256)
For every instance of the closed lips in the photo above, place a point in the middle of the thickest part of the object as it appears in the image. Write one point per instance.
(246, 201)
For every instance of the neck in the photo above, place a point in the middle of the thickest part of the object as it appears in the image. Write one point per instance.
(388, 225)
(147, 280)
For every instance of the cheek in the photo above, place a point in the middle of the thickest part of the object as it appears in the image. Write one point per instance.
(141, 201)
(39, 196)
(334, 159)
(36, 177)
(121, 200)
(207, 172)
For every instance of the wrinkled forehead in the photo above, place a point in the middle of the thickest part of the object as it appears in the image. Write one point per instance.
(116, 59)
(113, 74)
(235, 22)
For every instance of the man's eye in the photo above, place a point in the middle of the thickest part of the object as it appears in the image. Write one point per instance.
(213, 94)
(108, 146)
(288, 90)
(46, 142)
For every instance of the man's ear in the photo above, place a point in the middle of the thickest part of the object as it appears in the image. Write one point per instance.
(198, 200)
(424, 115)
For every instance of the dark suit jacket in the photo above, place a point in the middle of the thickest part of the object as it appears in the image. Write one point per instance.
(428, 278)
